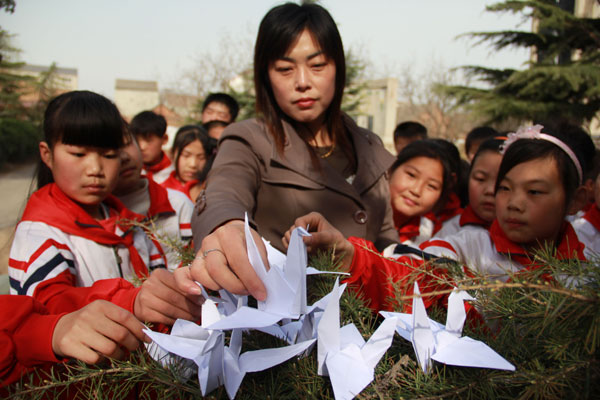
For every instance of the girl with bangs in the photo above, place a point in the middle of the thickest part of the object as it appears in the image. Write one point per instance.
(302, 154)
(73, 244)
(483, 172)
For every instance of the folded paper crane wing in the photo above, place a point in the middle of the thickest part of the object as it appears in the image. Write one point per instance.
(432, 340)
(342, 353)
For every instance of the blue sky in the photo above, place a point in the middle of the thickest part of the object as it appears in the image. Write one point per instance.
(158, 40)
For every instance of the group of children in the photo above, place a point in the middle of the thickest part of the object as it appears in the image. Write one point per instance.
(84, 273)
(83, 270)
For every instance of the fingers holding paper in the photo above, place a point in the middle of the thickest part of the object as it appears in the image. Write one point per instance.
(222, 263)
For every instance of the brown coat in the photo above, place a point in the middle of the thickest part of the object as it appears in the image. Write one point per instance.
(250, 175)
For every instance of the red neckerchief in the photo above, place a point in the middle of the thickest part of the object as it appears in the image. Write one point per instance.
(173, 183)
(409, 229)
(568, 247)
(159, 166)
(51, 206)
(593, 217)
(468, 217)
(451, 208)
(159, 200)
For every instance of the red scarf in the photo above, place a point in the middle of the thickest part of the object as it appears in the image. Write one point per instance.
(593, 217)
(569, 246)
(173, 183)
(468, 217)
(52, 206)
(159, 166)
(159, 200)
(451, 208)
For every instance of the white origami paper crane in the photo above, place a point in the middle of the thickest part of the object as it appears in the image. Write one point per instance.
(432, 340)
(219, 365)
(343, 353)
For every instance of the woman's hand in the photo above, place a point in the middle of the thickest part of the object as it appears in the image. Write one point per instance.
(222, 263)
(323, 236)
(100, 329)
(160, 300)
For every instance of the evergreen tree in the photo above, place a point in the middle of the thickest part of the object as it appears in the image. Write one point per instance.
(562, 79)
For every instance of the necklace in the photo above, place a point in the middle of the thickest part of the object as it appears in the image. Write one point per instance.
(329, 152)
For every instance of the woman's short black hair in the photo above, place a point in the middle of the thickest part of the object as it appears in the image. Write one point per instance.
(433, 149)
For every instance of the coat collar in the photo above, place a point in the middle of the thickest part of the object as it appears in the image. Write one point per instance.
(593, 216)
(373, 160)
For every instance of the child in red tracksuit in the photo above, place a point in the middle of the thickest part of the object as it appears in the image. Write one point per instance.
(74, 234)
(31, 337)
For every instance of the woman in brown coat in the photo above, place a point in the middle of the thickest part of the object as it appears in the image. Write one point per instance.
(303, 154)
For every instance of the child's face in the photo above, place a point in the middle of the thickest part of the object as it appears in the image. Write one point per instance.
(481, 185)
(85, 174)
(216, 111)
(416, 186)
(191, 161)
(151, 147)
(131, 168)
(531, 203)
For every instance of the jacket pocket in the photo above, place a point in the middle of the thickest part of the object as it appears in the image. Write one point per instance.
(287, 177)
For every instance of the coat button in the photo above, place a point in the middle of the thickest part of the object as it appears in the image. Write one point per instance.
(360, 216)
(200, 202)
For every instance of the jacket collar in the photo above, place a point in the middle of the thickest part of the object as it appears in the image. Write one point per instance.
(372, 160)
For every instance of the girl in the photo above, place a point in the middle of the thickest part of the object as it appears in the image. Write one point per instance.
(420, 184)
(588, 226)
(538, 184)
(169, 211)
(72, 238)
(192, 154)
(481, 209)
(301, 154)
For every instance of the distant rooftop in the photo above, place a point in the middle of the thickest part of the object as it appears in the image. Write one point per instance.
(127, 84)
(45, 68)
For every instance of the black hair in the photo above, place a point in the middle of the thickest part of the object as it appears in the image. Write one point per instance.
(148, 123)
(433, 149)
(479, 134)
(223, 98)
(524, 150)
(494, 145)
(80, 118)
(410, 129)
(188, 134)
(278, 30)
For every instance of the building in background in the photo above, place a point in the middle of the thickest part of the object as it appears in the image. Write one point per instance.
(378, 109)
(59, 80)
(133, 97)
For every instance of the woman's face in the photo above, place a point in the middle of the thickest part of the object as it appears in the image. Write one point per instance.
(416, 186)
(482, 181)
(303, 81)
(191, 161)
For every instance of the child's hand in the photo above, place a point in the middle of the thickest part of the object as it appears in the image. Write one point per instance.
(323, 236)
(160, 301)
(100, 329)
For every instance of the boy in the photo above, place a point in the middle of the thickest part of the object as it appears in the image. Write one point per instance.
(150, 130)
(408, 132)
(170, 210)
(476, 137)
(219, 107)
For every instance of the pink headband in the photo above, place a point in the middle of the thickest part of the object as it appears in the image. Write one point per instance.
(535, 132)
